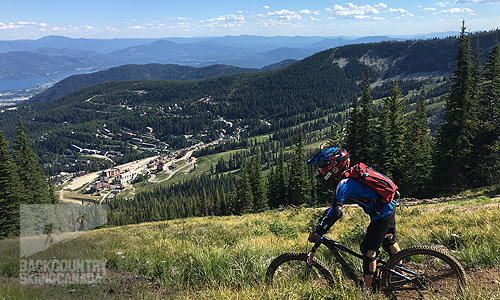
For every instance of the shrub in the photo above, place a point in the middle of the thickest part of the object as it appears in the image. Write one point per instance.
(283, 230)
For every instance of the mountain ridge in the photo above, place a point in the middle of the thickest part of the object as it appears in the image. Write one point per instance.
(144, 72)
(231, 50)
(318, 89)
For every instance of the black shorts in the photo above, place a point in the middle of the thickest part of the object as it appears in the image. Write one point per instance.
(377, 231)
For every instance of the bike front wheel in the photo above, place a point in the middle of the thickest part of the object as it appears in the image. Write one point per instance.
(292, 267)
(423, 272)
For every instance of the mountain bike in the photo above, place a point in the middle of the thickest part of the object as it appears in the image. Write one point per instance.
(420, 272)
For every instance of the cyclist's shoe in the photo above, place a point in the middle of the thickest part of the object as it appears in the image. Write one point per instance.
(368, 292)
(314, 237)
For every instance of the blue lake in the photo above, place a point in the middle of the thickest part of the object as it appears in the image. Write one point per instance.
(16, 84)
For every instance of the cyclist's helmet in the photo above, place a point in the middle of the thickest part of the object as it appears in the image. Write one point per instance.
(330, 163)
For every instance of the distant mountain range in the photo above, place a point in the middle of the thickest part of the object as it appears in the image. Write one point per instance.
(406, 59)
(53, 54)
(144, 72)
(311, 90)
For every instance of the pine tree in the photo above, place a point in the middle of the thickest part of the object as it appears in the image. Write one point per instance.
(418, 161)
(299, 184)
(392, 130)
(205, 203)
(476, 74)
(454, 141)
(282, 181)
(10, 192)
(337, 138)
(366, 127)
(30, 172)
(244, 196)
(54, 198)
(224, 210)
(272, 188)
(257, 183)
(489, 137)
(352, 140)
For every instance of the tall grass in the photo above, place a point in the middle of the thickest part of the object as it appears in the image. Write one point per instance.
(227, 257)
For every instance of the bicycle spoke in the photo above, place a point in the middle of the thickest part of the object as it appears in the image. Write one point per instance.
(292, 268)
(426, 275)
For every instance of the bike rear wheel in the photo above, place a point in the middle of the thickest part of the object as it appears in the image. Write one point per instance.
(423, 272)
(292, 268)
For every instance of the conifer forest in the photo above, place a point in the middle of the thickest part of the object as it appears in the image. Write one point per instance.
(433, 136)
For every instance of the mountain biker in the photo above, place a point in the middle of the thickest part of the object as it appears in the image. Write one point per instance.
(332, 164)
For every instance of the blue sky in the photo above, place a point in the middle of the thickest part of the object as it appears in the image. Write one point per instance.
(32, 19)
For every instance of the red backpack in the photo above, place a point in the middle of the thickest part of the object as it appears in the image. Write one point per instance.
(385, 188)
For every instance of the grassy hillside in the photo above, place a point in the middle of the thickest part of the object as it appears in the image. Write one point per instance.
(227, 257)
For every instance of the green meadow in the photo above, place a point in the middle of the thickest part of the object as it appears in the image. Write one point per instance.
(227, 257)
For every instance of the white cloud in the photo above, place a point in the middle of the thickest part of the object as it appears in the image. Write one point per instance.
(23, 24)
(287, 15)
(272, 23)
(308, 12)
(228, 18)
(457, 11)
(182, 25)
(353, 11)
(9, 26)
(380, 5)
(442, 4)
(404, 16)
(225, 21)
(398, 10)
(266, 7)
(429, 9)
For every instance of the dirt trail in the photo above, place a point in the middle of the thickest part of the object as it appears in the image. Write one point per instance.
(67, 200)
(81, 181)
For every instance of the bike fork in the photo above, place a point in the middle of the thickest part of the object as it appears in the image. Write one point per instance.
(310, 257)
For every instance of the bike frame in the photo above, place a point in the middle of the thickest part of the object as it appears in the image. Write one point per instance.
(334, 248)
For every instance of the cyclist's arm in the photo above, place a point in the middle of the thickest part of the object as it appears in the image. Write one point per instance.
(332, 215)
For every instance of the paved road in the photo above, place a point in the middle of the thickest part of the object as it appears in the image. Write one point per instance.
(173, 172)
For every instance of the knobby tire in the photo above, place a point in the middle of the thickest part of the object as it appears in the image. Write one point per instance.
(292, 268)
(433, 274)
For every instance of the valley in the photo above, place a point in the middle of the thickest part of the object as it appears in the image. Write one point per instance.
(203, 172)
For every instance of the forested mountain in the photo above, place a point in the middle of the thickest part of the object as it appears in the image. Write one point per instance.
(311, 102)
(143, 72)
(55, 54)
(321, 84)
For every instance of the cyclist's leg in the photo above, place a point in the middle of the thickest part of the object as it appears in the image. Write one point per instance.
(369, 267)
(369, 249)
(390, 244)
(375, 236)
(394, 248)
